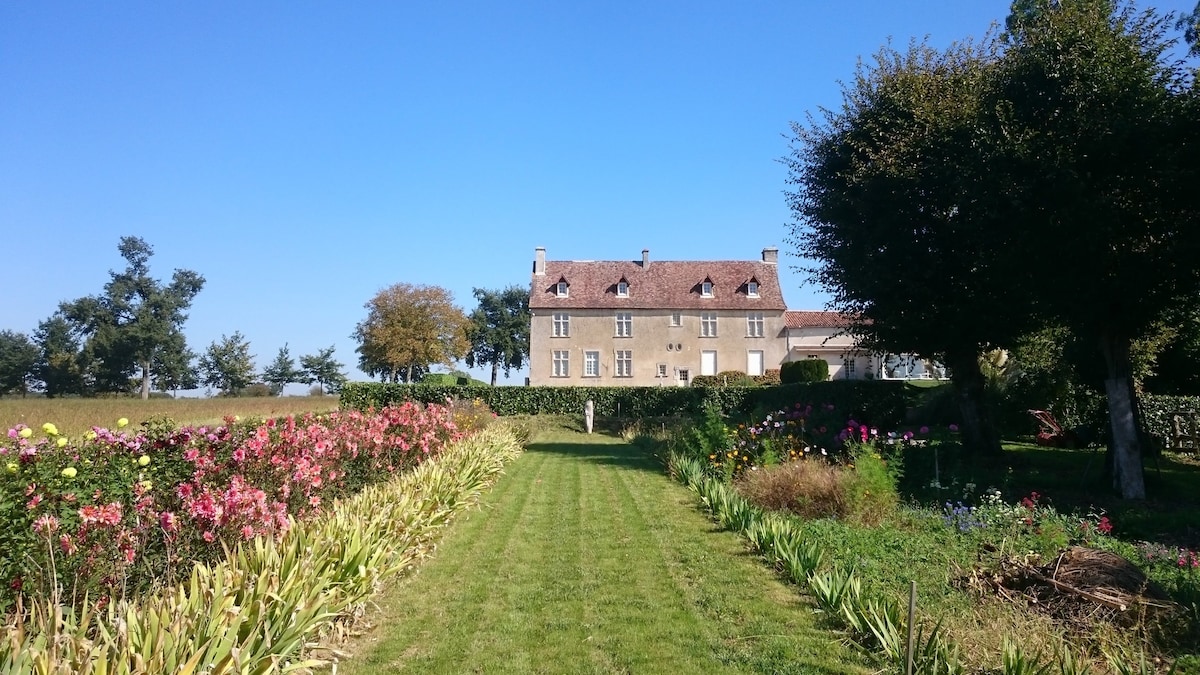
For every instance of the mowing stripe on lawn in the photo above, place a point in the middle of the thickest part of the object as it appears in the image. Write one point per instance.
(586, 558)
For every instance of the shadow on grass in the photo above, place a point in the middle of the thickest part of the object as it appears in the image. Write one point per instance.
(1070, 480)
(604, 449)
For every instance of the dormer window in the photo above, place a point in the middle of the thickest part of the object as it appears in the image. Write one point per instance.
(622, 289)
(752, 288)
(561, 288)
(706, 288)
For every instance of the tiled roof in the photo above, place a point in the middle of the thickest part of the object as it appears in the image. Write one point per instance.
(815, 319)
(662, 284)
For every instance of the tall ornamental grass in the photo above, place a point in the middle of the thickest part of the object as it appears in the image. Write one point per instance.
(272, 604)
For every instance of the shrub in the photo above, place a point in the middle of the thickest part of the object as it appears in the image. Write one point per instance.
(805, 370)
(808, 488)
(442, 379)
(258, 390)
(769, 378)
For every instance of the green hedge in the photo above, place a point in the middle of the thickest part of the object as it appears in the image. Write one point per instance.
(878, 402)
(805, 370)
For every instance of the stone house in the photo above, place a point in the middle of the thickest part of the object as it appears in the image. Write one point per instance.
(654, 323)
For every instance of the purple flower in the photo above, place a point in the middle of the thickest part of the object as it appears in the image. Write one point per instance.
(953, 427)
(923, 430)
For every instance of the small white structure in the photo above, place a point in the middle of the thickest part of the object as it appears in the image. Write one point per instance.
(824, 335)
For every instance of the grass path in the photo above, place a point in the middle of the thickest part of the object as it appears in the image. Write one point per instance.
(586, 558)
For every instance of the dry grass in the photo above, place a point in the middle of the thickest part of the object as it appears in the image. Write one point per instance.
(808, 489)
(74, 415)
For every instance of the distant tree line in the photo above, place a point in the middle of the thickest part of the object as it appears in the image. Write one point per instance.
(129, 338)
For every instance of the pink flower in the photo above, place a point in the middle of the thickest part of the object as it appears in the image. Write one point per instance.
(45, 524)
(209, 536)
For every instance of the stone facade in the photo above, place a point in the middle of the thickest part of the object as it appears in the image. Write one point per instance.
(661, 323)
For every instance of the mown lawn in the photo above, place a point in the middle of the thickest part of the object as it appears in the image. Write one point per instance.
(587, 558)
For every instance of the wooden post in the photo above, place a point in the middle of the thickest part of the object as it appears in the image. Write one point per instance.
(912, 616)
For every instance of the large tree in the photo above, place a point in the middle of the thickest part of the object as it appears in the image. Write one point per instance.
(1096, 143)
(323, 369)
(499, 330)
(61, 365)
(410, 327)
(228, 365)
(18, 363)
(135, 319)
(174, 367)
(282, 371)
(888, 207)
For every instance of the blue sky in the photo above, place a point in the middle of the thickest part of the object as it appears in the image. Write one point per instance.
(302, 156)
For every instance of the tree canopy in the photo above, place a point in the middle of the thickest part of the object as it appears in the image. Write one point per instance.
(958, 199)
(323, 369)
(409, 328)
(227, 365)
(18, 363)
(499, 330)
(134, 320)
(282, 371)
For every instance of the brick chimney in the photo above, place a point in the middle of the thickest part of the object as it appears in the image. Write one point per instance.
(771, 255)
(645, 258)
(539, 261)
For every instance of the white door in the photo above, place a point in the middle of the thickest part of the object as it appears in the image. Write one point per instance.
(754, 362)
(708, 362)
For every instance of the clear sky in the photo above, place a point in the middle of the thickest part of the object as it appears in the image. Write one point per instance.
(302, 156)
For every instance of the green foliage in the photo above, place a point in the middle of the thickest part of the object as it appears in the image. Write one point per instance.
(228, 365)
(282, 371)
(323, 369)
(135, 320)
(60, 364)
(805, 370)
(498, 330)
(878, 403)
(18, 362)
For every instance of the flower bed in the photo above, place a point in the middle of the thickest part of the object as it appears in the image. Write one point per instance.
(112, 510)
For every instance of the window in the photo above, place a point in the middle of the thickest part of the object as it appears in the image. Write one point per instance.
(754, 324)
(623, 289)
(848, 367)
(676, 318)
(754, 362)
(591, 364)
(624, 324)
(706, 289)
(662, 370)
(562, 363)
(562, 289)
(624, 363)
(708, 362)
(562, 324)
(708, 324)
(752, 289)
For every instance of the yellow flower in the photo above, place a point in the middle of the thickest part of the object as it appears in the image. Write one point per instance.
(143, 460)
(50, 429)
(69, 472)
(62, 441)
(123, 422)
(146, 485)
(26, 432)
(12, 467)
(91, 435)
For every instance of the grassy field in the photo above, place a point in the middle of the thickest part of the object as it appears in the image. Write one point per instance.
(587, 558)
(76, 415)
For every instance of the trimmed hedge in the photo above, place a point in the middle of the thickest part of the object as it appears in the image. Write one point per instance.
(878, 402)
(805, 370)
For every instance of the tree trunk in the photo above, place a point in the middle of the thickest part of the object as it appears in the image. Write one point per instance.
(408, 375)
(145, 380)
(978, 430)
(1127, 474)
(495, 371)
